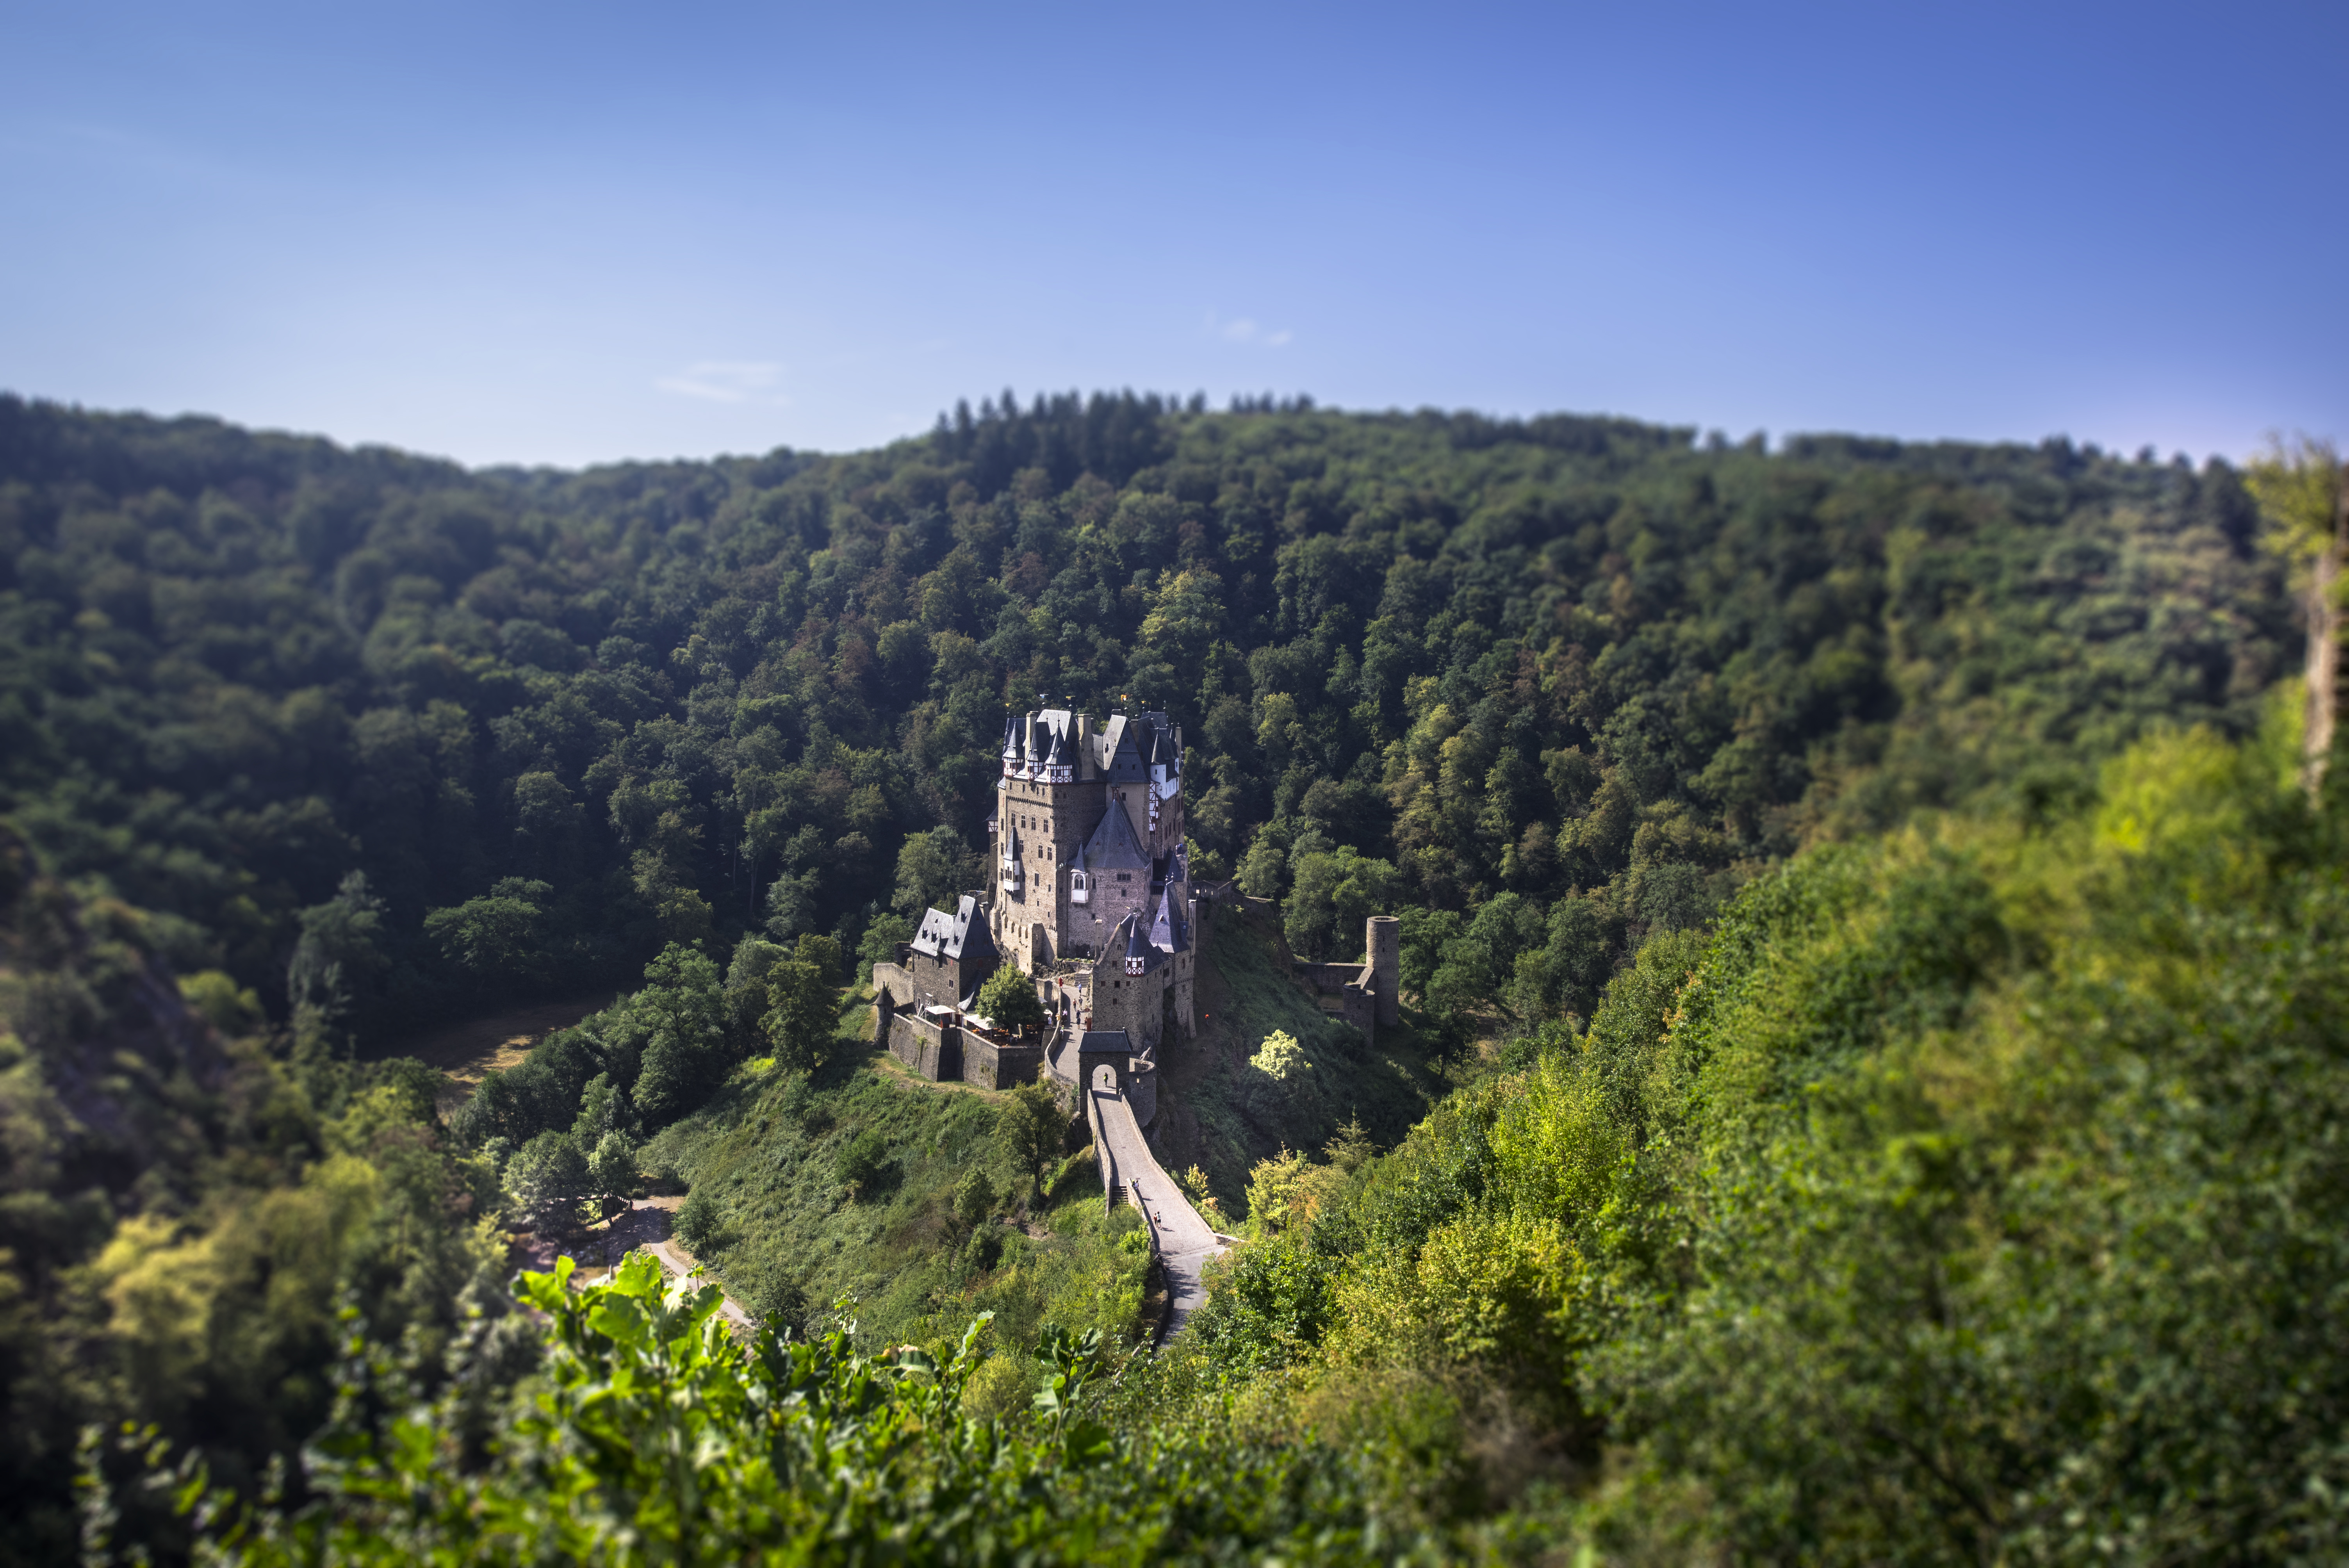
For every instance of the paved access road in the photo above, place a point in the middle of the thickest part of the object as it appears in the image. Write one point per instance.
(1184, 1243)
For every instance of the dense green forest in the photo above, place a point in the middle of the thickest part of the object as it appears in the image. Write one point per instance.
(1555, 682)
(1866, 1094)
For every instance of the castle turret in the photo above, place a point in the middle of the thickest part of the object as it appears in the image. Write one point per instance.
(1383, 950)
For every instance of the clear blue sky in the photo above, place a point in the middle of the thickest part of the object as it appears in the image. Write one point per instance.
(570, 233)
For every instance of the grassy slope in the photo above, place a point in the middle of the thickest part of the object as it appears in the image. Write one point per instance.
(1218, 1112)
(767, 1146)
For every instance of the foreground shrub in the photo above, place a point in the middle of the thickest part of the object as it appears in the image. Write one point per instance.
(655, 1437)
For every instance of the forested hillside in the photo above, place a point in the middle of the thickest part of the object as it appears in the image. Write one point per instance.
(1555, 683)
(1858, 918)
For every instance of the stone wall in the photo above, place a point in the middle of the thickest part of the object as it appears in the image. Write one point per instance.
(933, 1050)
(998, 1064)
(1368, 993)
(944, 1052)
(892, 986)
(1052, 821)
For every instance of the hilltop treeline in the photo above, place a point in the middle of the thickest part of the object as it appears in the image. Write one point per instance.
(1548, 686)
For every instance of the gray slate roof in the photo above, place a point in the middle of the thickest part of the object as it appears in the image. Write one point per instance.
(962, 934)
(1114, 847)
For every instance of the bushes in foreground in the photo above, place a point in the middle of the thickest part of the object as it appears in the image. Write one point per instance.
(654, 1437)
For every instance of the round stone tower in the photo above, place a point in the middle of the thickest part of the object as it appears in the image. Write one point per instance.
(1382, 942)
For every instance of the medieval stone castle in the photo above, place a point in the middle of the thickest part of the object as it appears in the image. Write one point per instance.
(1093, 898)
(1093, 895)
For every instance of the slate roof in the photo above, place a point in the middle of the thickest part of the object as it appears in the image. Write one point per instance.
(1114, 847)
(1138, 944)
(1122, 757)
(962, 934)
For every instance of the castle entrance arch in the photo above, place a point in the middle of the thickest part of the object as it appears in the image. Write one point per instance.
(1104, 1059)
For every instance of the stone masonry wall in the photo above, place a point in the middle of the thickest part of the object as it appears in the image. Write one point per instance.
(933, 1050)
(1052, 823)
(992, 1063)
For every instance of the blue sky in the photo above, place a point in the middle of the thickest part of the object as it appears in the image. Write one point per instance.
(567, 234)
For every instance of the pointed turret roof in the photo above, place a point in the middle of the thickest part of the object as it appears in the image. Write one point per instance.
(1162, 929)
(1121, 751)
(1114, 847)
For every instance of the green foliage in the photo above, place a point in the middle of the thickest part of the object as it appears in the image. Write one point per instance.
(1332, 894)
(340, 948)
(1560, 658)
(501, 938)
(612, 1168)
(1008, 1000)
(765, 1151)
(974, 1197)
(1029, 1129)
(1958, 1199)
(748, 975)
(234, 1013)
(879, 944)
(2298, 487)
(178, 1215)
(656, 1437)
(933, 869)
(546, 1180)
(700, 1223)
(863, 1161)
(686, 1052)
(803, 996)
(1909, 1196)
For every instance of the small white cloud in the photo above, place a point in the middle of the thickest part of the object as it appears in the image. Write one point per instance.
(1245, 329)
(726, 381)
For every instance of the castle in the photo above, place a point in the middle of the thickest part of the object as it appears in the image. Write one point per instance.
(1094, 895)
(1093, 900)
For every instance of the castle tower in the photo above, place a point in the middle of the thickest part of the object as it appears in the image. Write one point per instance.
(1383, 950)
(1129, 985)
(1087, 835)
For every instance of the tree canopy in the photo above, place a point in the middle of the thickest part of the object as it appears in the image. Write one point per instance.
(1429, 659)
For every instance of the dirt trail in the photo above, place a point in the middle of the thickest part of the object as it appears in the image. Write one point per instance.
(643, 1227)
(469, 1052)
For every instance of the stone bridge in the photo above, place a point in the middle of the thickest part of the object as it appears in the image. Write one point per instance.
(1117, 1100)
